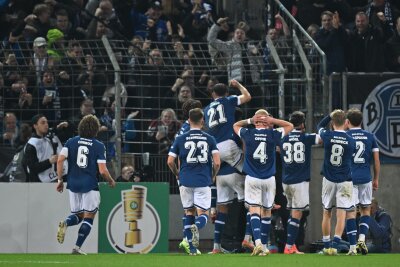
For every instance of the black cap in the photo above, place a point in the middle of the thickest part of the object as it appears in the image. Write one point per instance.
(156, 5)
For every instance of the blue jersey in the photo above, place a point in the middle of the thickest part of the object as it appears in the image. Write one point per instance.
(184, 128)
(83, 158)
(338, 152)
(226, 169)
(259, 158)
(365, 146)
(194, 149)
(219, 117)
(296, 156)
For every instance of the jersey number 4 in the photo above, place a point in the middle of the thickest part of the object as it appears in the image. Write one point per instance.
(294, 152)
(81, 158)
(261, 153)
(212, 121)
(192, 157)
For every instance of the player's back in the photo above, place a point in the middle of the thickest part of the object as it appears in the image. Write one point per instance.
(260, 151)
(194, 149)
(83, 158)
(365, 146)
(296, 156)
(338, 150)
(219, 117)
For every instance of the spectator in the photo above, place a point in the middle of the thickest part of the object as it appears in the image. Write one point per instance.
(332, 38)
(41, 152)
(380, 229)
(63, 24)
(150, 25)
(41, 59)
(392, 50)
(128, 174)
(162, 131)
(378, 8)
(48, 96)
(56, 47)
(366, 45)
(10, 133)
(130, 132)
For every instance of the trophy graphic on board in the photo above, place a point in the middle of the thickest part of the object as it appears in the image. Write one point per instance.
(133, 202)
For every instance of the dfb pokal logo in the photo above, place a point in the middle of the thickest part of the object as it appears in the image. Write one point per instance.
(381, 116)
(133, 225)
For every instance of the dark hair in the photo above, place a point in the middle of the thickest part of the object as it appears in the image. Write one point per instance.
(188, 105)
(195, 115)
(220, 89)
(89, 126)
(297, 118)
(354, 115)
(36, 118)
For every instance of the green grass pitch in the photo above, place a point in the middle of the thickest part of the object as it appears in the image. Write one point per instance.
(177, 260)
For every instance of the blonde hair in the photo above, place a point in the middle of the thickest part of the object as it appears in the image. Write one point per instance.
(338, 117)
(261, 112)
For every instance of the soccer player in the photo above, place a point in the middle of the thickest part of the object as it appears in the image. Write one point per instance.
(259, 165)
(199, 163)
(220, 117)
(363, 184)
(338, 150)
(85, 155)
(296, 159)
(186, 107)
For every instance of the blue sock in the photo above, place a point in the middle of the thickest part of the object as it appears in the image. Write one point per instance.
(72, 220)
(351, 231)
(188, 233)
(84, 231)
(364, 225)
(248, 224)
(265, 229)
(256, 225)
(201, 221)
(336, 241)
(213, 196)
(327, 241)
(183, 225)
(292, 230)
(219, 227)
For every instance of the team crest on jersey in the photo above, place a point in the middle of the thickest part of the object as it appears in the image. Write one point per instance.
(381, 116)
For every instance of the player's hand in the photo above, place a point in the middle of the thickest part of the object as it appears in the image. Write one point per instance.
(111, 183)
(234, 83)
(60, 186)
(375, 184)
(53, 159)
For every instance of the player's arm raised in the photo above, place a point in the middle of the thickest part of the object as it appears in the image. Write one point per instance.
(106, 174)
(245, 95)
(287, 126)
(241, 124)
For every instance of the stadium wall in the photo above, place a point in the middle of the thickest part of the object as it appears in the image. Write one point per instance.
(30, 214)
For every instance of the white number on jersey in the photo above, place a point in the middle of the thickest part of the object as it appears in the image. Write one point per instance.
(212, 122)
(336, 156)
(192, 146)
(81, 158)
(261, 153)
(360, 151)
(294, 152)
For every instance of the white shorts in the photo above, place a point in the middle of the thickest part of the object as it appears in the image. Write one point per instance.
(260, 192)
(342, 192)
(227, 186)
(199, 197)
(362, 194)
(231, 153)
(84, 202)
(297, 195)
